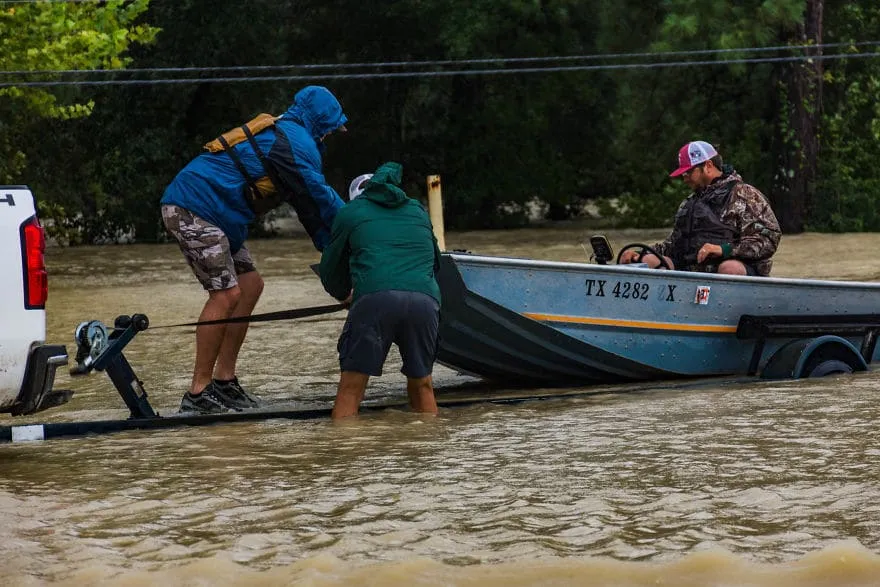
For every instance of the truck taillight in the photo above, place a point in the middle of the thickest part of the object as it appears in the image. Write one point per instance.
(33, 247)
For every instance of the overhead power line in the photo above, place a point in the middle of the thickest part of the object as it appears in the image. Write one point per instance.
(448, 73)
(447, 62)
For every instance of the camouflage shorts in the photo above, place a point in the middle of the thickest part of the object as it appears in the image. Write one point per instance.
(206, 249)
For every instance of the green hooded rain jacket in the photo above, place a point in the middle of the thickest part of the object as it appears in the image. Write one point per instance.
(382, 240)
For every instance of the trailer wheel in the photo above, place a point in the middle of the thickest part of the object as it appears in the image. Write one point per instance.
(831, 358)
(828, 367)
(814, 357)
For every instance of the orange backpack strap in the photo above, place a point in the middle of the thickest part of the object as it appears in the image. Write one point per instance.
(252, 183)
(274, 180)
(237, 135)
(263, 194)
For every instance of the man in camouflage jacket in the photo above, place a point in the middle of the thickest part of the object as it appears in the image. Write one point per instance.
(724, 226)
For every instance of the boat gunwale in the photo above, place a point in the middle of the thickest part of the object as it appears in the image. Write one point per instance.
(475, 259)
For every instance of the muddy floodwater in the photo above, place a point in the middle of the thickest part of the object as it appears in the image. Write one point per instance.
(717, 483)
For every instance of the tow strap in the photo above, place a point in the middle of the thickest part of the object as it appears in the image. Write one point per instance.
(267, 317)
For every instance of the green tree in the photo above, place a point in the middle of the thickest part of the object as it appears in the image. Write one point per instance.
(498, 140)
(509, 139)
(40, 36)
(848, 184)
(727, 105)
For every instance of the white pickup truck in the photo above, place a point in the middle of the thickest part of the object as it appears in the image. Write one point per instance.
(27, 363)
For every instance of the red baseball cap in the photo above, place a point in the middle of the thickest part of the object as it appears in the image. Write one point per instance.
(691, 155)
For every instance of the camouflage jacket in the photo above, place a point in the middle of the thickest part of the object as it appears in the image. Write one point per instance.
(742, 210)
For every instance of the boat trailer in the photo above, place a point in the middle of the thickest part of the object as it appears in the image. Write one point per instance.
(818, 348)
(101, 349)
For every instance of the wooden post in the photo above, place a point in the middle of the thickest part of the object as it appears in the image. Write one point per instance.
(435, 210)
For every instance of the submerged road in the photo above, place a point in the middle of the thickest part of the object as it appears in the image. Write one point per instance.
(741, 482)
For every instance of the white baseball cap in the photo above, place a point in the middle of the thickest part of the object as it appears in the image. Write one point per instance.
(357, 185)
(691, 155)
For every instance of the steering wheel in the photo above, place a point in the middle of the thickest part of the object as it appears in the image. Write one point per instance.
(645, 249)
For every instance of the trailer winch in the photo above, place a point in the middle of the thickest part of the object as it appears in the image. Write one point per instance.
(100, 349)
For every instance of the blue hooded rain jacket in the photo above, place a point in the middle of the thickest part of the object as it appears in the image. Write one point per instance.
(212, 187)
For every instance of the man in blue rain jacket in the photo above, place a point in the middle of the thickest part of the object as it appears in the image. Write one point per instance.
(208, 207)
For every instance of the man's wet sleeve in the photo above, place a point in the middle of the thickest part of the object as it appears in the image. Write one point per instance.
(315, 202)
(758, 226)
(334, 270)
(667, 246)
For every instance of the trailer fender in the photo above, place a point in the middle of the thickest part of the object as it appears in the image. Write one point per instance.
(814, 357)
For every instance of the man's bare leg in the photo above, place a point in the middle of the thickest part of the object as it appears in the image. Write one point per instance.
(219, 306)
(732, 267)
(421, 394)
(251, 285)
(349, 395)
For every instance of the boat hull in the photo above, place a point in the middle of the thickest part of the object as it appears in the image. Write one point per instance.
(548, 323)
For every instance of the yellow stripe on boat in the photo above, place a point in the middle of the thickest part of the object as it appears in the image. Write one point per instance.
(629, 323)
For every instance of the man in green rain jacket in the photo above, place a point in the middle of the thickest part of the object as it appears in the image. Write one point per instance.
(383, 254)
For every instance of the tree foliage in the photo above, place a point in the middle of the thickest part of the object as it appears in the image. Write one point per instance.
(101, 156)
(849, 184)
(58, 36)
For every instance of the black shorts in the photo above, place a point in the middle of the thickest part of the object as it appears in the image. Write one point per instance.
(750, 270)
(408, 319)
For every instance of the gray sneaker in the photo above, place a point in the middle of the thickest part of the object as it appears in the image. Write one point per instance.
(208, 401)
(235, 396)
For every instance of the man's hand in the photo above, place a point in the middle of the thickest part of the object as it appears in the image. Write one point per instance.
(630, 256)
(347, 301)
(708, 251)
